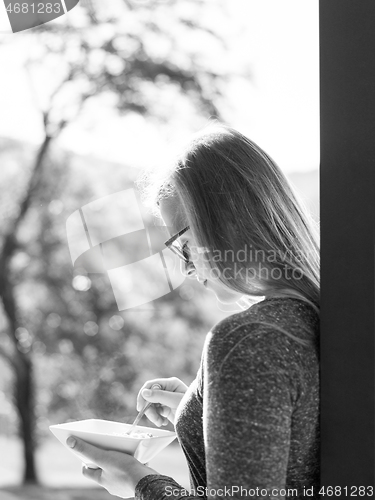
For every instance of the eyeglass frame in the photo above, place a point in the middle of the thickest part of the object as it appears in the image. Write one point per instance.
(177, 249)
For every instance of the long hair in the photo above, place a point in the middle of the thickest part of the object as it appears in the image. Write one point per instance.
(245, 217)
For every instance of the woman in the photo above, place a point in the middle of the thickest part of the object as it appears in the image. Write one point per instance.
(249, 423)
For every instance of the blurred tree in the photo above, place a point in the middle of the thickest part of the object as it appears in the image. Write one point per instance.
(89, 359)
(18, 355)
(138, 54)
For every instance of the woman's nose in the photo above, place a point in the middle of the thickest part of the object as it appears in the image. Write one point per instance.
(188, 269)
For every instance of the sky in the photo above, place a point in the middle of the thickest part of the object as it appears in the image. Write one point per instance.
(278, 107)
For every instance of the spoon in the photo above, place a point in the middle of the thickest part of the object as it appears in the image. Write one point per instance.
(142, 412)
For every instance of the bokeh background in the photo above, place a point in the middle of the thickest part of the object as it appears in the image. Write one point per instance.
(87, 103)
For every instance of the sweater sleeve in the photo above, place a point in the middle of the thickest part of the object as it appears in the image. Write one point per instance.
(247, 412)
(247, 409)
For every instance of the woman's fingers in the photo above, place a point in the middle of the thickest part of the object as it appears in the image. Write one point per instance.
(163, 407)
(164, 411)
(159, 415)
(94, 474)
(166, 398)
(147, 385)
(171, 384)
(166, 414)
(154, 416)
(164, 401)
(95, 454)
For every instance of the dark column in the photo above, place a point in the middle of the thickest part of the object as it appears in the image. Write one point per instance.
(347, 83)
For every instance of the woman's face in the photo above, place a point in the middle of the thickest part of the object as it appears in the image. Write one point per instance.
(198, 266)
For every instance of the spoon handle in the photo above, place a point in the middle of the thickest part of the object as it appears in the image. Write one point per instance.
(142, 412)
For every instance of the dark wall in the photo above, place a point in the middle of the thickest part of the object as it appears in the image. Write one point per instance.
(347, 52)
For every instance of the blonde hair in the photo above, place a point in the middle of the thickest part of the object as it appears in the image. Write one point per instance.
(235, 197)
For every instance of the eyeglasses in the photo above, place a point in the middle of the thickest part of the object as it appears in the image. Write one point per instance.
(175, 245)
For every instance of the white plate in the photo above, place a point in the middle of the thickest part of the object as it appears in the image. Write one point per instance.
(102, 433)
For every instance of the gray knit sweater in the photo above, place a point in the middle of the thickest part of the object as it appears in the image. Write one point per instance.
(249, 423)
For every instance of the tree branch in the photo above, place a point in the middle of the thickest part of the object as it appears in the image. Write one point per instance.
(10, 242)
(7, 357)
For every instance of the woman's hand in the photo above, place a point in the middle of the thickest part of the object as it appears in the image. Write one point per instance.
(166, 399)
(119, 473)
